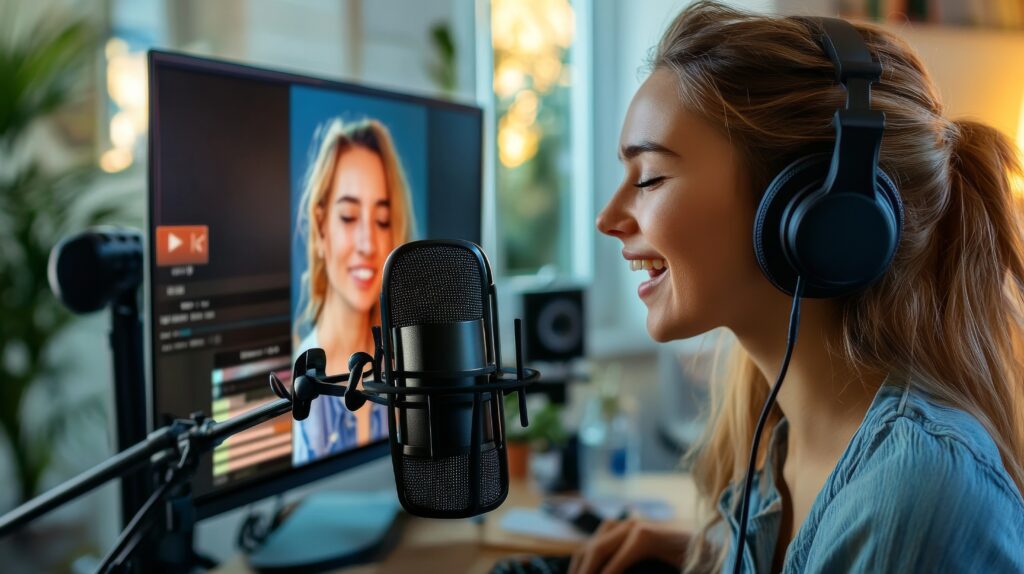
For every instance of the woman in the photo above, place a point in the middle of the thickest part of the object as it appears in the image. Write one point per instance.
(354, 211)
(897, 441)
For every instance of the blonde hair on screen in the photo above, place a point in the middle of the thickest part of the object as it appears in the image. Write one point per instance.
(335, 137)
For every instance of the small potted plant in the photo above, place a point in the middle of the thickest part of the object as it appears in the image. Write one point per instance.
(544, 434)
(517, 441)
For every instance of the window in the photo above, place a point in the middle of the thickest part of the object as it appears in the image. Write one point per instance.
(542, 165)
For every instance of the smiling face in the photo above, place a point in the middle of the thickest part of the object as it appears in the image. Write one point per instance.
(685, 206)
(355, 226)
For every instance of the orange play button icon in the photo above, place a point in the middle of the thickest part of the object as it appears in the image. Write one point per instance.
(182, 245)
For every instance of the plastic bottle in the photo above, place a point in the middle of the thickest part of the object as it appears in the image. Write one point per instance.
(609, 446)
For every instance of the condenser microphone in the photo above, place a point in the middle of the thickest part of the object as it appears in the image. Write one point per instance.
(438, 318)
(437, 367)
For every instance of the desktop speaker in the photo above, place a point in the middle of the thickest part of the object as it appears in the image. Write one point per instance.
(554, 324)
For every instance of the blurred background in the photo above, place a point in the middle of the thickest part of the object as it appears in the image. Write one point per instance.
(554, 78)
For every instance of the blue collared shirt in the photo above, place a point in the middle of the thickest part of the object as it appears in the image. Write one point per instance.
(920, 488)
(330, 428)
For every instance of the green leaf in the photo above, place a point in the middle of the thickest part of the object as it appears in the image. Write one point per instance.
(39, 73)
(37, 78)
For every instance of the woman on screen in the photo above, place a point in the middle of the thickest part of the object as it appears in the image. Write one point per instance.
(354, 211)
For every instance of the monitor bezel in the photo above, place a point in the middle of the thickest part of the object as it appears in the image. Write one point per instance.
(256, 488)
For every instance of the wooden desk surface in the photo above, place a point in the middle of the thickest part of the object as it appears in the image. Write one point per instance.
(473, 547)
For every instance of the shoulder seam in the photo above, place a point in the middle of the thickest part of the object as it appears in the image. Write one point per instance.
(903, 400)
(992, 474)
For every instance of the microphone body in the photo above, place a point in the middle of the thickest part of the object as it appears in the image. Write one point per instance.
(438, 318)
(437, 367)
(450, 347)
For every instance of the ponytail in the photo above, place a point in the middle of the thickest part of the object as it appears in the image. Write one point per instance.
(981, 262)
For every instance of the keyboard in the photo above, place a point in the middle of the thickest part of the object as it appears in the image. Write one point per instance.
(532, 565)
(560, 565)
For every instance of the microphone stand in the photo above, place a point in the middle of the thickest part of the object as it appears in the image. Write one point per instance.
(173, 452)
(129, 392)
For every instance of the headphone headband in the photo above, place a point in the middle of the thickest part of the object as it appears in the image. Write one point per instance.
(858, 127)
(834, 221)
(846, 49)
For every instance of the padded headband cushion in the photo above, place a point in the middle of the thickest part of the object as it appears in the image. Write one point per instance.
(799, 179)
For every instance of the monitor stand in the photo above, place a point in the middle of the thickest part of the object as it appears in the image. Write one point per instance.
(330, 529)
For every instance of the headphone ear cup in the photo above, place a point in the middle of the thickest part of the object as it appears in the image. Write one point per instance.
(891, 193)
(802, 176)
(790, 190)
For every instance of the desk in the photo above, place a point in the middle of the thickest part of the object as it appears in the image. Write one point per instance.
(473, 547)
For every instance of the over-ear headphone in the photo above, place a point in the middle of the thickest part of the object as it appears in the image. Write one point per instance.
(835, 222)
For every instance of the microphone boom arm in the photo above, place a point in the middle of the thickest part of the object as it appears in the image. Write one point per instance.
(174, 450)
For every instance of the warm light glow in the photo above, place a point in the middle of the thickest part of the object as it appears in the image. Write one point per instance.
(530, 38)
(524, 109)
(1018, 183)
(546, 72)
(505, 17)
(122, 130)
(115, 160)
(508, 79)
(126, 80)
(127, 88)
(115, 47)
(562, 22)
(516, 143)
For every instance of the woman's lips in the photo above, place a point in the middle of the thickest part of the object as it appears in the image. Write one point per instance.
(362, 276)
(648, 287)
(655, 266)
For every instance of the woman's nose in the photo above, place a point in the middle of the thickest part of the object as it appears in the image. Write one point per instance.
(615, 221)
(364, 237)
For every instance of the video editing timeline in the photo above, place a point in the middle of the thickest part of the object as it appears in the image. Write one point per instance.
(240, 325)
(238, 329)
(200, 314)
(239, 383)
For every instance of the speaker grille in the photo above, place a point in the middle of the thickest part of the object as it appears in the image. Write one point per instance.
(442, 485)
(435, 284)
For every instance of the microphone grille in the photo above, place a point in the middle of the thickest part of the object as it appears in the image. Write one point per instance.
(442, 485)
(434, 284)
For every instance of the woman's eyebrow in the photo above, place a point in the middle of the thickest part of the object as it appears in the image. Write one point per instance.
(646, 146)
(355, 200)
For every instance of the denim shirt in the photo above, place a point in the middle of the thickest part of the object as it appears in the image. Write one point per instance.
(920, 488)
(330, 428)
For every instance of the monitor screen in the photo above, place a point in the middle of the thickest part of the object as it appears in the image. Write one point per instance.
(274, 201)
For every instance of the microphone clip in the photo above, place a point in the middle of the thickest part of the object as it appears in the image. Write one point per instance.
(310, 380)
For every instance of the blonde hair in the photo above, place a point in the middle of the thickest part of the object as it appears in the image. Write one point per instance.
(335, 138)
(947, 315)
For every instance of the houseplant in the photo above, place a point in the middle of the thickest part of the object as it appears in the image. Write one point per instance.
(42, 69)
(545, 433)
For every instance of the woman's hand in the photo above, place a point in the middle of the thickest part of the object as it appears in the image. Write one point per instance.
(618, 544)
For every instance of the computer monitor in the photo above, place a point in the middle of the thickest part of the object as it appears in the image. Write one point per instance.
(274, 199)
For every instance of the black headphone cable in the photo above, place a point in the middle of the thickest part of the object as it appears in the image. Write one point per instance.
(794, 325)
